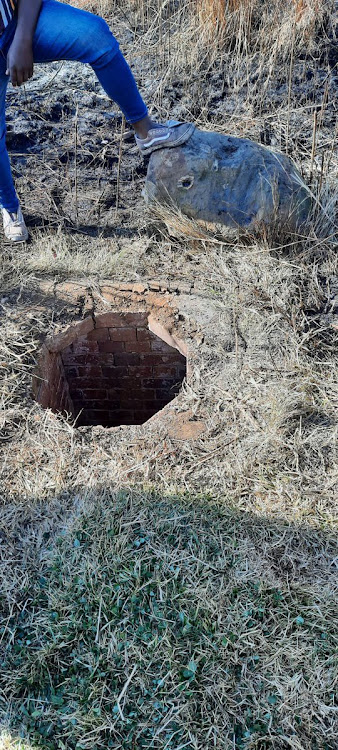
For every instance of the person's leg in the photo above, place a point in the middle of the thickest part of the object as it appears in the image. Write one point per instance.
(67, 33)
(8, 196)
(13, 221)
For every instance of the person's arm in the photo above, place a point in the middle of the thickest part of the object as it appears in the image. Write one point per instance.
(20, 61)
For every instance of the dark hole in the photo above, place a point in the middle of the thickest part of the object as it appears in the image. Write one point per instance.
(186, 182)
(120, 373)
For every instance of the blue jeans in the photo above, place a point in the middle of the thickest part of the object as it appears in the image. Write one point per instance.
(67, 33)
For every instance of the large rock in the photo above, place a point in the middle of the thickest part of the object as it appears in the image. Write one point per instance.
(231, 181)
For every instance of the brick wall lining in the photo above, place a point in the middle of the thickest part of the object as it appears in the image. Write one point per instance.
(51, 385)
(119, 372)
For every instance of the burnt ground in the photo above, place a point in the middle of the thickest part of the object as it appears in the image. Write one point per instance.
(64, 140)
(64, 135)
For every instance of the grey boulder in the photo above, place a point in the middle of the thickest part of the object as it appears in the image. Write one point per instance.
(229, 181)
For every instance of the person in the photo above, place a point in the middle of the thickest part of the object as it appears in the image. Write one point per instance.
(45, 31)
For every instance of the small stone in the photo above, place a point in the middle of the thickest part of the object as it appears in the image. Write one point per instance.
(182, 427)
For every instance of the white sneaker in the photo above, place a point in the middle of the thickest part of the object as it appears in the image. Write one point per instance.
(14, 226)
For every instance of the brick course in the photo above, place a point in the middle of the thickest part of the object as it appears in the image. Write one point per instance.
(116, 372)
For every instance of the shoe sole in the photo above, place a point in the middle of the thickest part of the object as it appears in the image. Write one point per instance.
(18, 241)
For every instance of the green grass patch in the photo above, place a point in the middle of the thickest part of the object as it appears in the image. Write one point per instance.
(155, 624)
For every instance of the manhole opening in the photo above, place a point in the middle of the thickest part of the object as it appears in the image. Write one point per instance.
(118, 373)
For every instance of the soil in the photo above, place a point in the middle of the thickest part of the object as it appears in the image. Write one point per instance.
(64, 135)
(78, 177)
(65, 144)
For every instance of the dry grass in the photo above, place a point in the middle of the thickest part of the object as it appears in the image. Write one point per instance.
(163, 594)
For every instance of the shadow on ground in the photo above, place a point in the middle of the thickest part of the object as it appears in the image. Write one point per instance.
(135, 619)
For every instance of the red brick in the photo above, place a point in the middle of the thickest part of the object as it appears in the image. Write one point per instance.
(116, 409)
(159, 358)
(128, 380)
(126, 390)
(73, 384)
(148, 396)
(107, 358)
(122, 334)
(113, 406)
(85, 420)
(140, 371)
(150, 359)
(69, 360)
(71, 372)
(97, 405)
(126, 406)
(127, 359)
(110, 320)
(57, 386)
(165, 371)
(110, 347)
(111, 372)
(99, 334)
(81, 359)
(137, 347)
(92, 371)
(135, 399)
(81, 383)
(85, 347)
(136, 319)
(143, 334)
(158, 345)
(77, 395)
(152, 383)
(62, 340)
(62, 385)
(94, 393)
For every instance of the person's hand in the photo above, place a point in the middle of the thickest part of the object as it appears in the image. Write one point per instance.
(20, 62)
